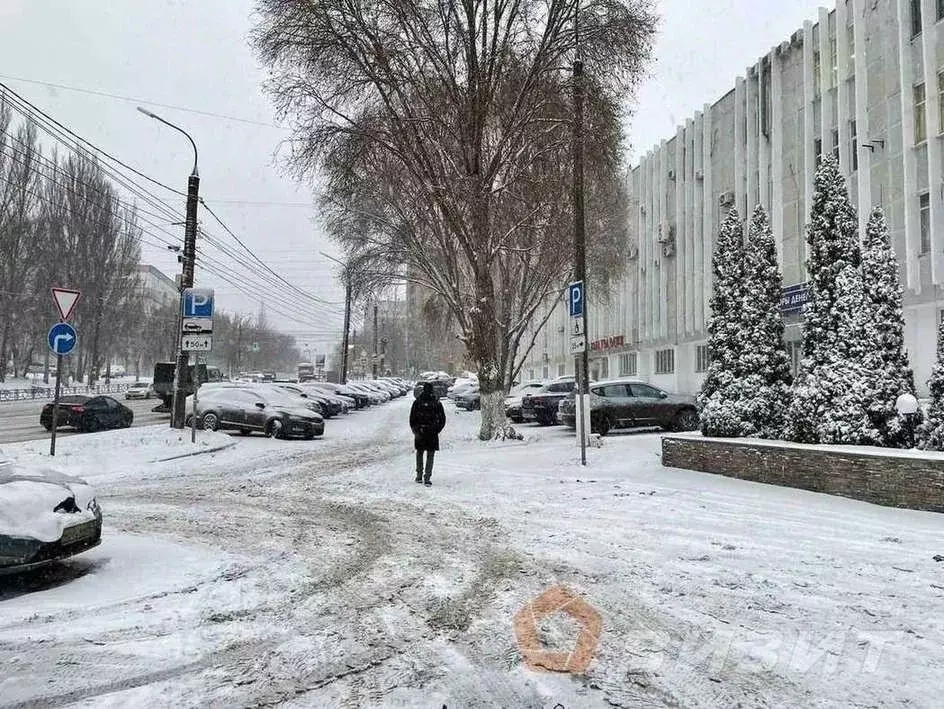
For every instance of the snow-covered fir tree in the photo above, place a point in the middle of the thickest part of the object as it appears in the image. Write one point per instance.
(887, 357)
(823, 407)
(719, 398)
(764, 364)
(931, 431)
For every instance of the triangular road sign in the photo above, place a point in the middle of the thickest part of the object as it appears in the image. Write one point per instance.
(65, 301)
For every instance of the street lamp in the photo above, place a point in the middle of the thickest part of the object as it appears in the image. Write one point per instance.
(907, 406)
(186, 279)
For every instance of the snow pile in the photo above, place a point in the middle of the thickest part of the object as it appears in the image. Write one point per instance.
(28, 500)
(114, 451)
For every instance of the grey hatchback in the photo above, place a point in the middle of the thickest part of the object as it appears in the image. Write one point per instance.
(630, 403)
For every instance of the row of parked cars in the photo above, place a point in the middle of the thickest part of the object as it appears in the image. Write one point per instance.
(286, 409)
(614, 403)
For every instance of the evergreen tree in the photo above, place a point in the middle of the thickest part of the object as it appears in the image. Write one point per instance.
(719, 397)
(888, 359)
(931, 432)
(833, 346)
(764, 364)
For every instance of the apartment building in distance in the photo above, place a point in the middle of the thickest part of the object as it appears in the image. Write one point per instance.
(863, 81)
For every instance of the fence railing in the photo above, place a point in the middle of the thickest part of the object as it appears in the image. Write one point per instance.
(46, 392)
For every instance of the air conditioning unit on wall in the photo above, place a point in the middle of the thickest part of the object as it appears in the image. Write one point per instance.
(726, 199)
(633, 252)
(672, 174)
(667, 238)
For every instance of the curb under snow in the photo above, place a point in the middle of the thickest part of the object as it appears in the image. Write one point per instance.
(214, 449)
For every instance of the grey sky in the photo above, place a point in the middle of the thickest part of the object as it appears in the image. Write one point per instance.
(194, 54)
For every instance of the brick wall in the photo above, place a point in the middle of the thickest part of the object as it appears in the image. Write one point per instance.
(892, 480)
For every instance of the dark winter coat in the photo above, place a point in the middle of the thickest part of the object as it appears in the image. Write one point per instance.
(427, 419)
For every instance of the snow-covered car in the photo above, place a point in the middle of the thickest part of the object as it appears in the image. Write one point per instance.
(45, 516)
(461, 386)
(139, 391)
(515, 395)
(470, 399)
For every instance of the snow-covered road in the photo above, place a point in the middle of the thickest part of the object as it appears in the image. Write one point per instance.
(317, 574)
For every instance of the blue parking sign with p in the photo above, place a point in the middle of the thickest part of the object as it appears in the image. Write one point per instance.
(198, 303)
(575, 299)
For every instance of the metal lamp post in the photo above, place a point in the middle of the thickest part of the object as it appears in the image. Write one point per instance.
(186, 279)
(907, 406)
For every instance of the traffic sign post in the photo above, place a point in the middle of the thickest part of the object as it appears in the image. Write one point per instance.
(62, 339)
(196, 335)
(577, 308)
(575, 299)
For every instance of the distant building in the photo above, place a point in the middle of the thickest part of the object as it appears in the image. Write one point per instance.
(865, 82)
(157, 289)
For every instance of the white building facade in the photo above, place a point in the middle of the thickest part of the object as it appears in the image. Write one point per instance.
(865, 82)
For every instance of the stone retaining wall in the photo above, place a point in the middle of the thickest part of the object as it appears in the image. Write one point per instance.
(892, 479)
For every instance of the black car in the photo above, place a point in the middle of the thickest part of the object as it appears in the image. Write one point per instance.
(85, 413)
(248, 410)
(541, 406)
(440, 387)
(630, 403)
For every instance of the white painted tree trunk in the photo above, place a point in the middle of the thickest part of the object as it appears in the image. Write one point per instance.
(493, 415)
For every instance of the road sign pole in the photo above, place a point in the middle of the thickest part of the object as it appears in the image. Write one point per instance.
(186, 281)
(55, 406)
(582, 364)
(196, 388)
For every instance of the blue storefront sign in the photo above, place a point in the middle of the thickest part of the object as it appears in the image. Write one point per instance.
(793, 299)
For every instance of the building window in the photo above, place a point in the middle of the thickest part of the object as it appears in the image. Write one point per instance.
(920, 123)
(915, 18)
(531, 374)
(665, 361)
(816, 82)
(545, 372)
(701, 358)
(940, 9)
(817, 150)
(850, 32)
(795, 352)
(833, 64)
(605, 368)
(940, 94)
(561, 370)
(627, 365)
(854, 144)
(924, 221)
(835, 136)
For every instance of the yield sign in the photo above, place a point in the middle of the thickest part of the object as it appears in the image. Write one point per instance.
(65, 301)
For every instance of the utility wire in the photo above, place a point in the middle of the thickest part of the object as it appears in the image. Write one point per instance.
(105, 94)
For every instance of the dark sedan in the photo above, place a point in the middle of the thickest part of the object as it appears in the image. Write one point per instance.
(629, 403)
(541, 406)
(88, 413)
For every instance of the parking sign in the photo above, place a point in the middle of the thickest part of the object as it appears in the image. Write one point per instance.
(198, 303)
(575, 299)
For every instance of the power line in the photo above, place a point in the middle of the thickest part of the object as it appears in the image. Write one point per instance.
(148, 102)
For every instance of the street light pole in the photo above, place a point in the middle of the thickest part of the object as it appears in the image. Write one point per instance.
(186, 279)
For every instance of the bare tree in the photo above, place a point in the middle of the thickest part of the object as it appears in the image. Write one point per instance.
(445, 135)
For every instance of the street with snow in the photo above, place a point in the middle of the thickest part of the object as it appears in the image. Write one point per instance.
(318, 574)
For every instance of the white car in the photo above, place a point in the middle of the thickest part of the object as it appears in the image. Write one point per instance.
(513, 400)
(461, 386)
(45, 516)
(139, 391)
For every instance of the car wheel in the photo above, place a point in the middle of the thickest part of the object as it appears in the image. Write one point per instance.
(47, 426)
(126, 422)
(600, 424)
(211, 421)
(685, 420)
(274, 429)
(90, 424)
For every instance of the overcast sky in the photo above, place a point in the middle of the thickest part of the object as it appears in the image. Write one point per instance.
(193, 54)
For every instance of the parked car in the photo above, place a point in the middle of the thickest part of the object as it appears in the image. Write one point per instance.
(248, 410)
(515, 395)
(440, 387)
(45, 516)
(461, 386)
(88, 413)
(541, 405)
(630, 403)
(470, 399)
(139, 390)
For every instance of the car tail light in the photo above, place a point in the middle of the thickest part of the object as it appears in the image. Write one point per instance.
(78, 409)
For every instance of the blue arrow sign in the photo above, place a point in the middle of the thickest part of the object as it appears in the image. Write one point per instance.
(575, 299)
(62, 338)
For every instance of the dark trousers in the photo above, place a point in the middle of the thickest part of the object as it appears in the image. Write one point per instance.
(430, 454)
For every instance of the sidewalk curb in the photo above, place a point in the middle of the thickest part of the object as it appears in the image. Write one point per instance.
(196, 453)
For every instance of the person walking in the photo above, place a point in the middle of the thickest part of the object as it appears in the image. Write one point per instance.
(427, 420)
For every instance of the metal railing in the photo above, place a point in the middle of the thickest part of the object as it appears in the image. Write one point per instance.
(46, 392)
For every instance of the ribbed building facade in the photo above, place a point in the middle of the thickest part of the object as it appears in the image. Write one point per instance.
(865, 82)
